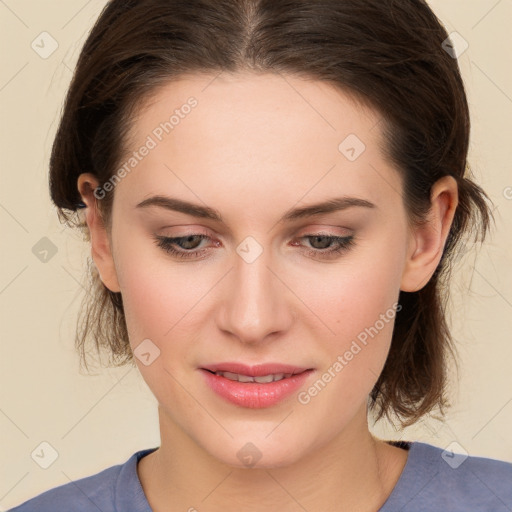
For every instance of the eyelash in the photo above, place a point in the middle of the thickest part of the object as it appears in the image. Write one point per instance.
(344, 243)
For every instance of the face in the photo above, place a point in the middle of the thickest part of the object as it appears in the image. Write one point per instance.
(252, 276)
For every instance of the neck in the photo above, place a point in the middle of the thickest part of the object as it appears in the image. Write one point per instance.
(353, 472)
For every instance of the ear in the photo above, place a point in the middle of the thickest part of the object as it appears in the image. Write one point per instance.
(100, 243)
(427, 241)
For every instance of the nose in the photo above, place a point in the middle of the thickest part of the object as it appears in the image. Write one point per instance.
(255, 302)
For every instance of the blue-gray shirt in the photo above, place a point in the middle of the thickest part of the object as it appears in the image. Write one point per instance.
(432, 480)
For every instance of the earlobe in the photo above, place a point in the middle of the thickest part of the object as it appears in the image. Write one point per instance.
(428, 240)
(100, 244)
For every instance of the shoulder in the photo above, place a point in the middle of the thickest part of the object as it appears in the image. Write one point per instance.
(105, 491)
(449, 479)
(90, 493)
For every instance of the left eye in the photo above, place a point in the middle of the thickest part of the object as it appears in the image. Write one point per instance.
(187, 246)
(330, 245)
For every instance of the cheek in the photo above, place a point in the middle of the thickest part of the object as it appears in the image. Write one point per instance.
(356, 293)
(164, 300)
(151, 293)
(158, 302)
(157, 298)
(359, 304)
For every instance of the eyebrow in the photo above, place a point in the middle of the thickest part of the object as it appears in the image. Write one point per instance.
(205, 212)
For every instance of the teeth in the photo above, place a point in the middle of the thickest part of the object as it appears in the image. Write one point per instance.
(229, 375)
(263, 379)
(243, 378)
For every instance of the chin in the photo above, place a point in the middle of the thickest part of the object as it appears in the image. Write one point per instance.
(260, 453)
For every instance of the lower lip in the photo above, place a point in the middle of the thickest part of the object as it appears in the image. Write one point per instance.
(253, 394)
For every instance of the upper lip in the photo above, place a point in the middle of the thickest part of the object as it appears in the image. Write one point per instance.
(257, 370)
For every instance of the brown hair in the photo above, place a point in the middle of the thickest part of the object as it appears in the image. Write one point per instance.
(386, 53)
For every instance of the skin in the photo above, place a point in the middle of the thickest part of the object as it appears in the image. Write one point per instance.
(254, 147)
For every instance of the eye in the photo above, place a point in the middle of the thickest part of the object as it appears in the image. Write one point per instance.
(328, 246)
(187, 243)
(323, 246)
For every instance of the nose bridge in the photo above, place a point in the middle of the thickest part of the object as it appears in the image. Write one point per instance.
(255, 305)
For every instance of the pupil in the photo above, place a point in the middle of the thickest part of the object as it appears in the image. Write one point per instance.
(326, 239)
(189, 240)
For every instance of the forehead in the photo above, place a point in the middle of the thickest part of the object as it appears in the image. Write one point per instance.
(260, 105)
(277, 135)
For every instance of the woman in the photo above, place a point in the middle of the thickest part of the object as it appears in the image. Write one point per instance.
(273, 193)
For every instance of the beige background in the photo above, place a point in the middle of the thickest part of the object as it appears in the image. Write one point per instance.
(96, 421)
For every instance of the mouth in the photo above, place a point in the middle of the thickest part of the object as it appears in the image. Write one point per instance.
(262, 379)
(258, 370)
(257, 386)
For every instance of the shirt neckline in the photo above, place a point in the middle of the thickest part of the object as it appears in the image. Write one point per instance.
(421, 460)
(405, 487)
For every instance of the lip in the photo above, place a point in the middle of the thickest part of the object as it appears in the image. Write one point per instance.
(255, 370)
(254, 395)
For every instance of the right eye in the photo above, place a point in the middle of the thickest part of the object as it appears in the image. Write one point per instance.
(186, 245)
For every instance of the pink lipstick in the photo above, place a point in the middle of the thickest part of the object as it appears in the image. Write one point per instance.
(256, 387)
